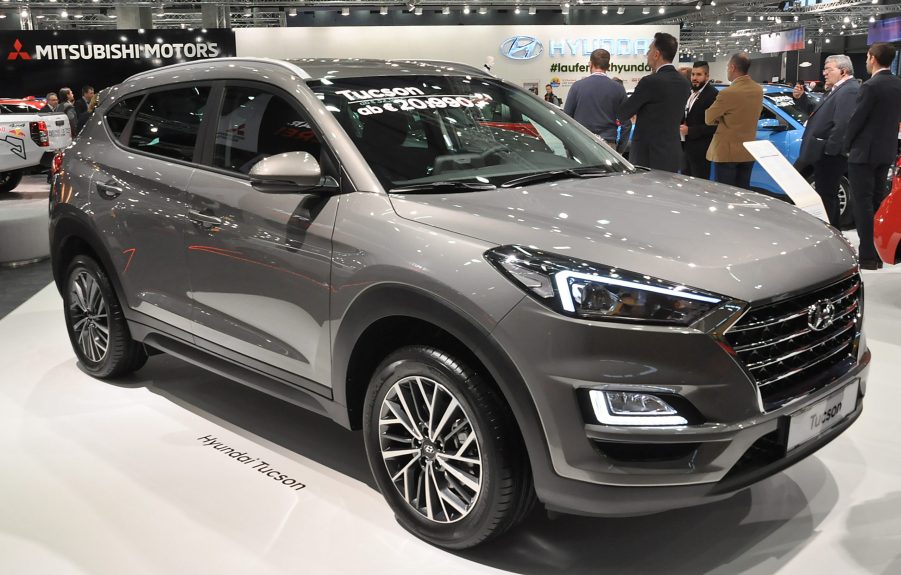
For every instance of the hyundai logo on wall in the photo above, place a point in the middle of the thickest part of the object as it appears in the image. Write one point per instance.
(521, 47)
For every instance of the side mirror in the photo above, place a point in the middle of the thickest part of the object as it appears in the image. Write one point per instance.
(771, 125)
(290, 172)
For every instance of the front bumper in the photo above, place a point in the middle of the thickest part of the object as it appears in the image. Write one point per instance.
(624, 470)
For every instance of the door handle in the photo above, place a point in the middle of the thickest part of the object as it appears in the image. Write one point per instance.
(204, 220)
(108, 190)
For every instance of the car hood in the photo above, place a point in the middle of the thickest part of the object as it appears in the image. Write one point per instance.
(695, 232)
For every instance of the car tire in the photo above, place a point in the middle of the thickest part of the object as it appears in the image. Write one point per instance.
(846, 202)
(95, 322)
(9, 181)
(470, 484)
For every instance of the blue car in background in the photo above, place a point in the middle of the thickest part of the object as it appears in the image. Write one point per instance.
(782, 123)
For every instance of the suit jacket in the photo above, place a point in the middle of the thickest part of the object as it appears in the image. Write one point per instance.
(81, 107)
(735, 114)
(872, 135)
(593, 102)
(699, 133)
(659, 102)
(824, 134)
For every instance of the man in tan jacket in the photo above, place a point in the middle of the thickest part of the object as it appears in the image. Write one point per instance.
(735, 114)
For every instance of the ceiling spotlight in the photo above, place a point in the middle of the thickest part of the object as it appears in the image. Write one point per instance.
(713, 2)
(846, 20)
(78, 16)
(874, 1)
(345, 11)
(718, 22)
(749, 18)
(24, 12)
(661, 10)
(565, 8)
(621, 10)
(247, 14)
(761, 18)
(820, 30)
(646, 10)
(446, 10)
(809, 41)
(795, 18)
(292, 12)
(872, 19)
(466, 9)
(483, 10)
(63, 14)
(698, 5)
(383, 11)
(604, 10)
(532, 10)
(827, 40)
(517, 10)
(418, 11)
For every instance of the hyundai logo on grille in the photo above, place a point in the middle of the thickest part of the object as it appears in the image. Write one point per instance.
(521, 47)
(821, 315)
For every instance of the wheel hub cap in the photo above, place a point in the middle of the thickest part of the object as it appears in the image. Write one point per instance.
(430, 449)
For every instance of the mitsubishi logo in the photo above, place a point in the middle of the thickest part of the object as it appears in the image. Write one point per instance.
(521, 47)
(18, 53)
(821, 315)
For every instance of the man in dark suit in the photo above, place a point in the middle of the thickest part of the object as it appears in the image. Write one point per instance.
(694, 129)
(872, 142)
(52, 103)
(823, 146)
(81, 107)
(659, 104)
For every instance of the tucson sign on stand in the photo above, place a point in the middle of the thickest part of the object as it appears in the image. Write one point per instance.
(37, 62)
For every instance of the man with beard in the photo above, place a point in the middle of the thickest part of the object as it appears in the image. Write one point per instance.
(694, 129)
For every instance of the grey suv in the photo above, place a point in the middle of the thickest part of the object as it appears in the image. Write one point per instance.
(509, 310)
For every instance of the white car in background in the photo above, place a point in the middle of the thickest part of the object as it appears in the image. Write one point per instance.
(28, 140)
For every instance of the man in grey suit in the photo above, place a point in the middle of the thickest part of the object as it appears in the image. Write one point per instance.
(659, 104)
(593, 101)
(872, 141)
(823, 146)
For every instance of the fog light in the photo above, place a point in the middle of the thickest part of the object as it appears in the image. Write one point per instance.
(628, 408)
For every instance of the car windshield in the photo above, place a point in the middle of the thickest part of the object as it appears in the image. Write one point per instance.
(786, 103)
(422, 129)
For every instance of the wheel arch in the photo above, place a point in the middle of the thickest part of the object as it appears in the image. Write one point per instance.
(387, 317)
(70, 237)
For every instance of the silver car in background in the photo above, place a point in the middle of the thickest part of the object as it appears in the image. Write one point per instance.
(509, 310)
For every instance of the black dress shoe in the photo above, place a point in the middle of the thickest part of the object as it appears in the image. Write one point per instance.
(870, 264)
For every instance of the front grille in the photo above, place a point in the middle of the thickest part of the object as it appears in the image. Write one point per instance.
(785, 355)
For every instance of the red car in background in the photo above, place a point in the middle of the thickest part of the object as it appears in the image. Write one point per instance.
(21, 105)
(887, 223)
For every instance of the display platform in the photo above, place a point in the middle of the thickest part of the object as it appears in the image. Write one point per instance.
(24, 220)
(112, 478)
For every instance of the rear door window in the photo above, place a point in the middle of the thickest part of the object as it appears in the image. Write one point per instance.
(168, 121)
(117, 118)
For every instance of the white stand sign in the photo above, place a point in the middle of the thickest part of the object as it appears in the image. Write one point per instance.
(788, 178)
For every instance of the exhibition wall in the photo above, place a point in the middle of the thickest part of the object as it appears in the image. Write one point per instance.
(525, 55)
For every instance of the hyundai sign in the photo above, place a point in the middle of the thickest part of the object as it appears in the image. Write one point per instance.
(521, 48)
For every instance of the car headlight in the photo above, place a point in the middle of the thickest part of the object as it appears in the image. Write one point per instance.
(592, 291)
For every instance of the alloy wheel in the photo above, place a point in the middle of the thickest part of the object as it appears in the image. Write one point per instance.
(90, 317)
(430, 449)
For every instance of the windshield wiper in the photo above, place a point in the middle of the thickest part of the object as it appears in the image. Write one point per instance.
(558, 175)
(450, 186)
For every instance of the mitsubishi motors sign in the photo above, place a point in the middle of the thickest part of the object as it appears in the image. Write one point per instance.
(37, 62)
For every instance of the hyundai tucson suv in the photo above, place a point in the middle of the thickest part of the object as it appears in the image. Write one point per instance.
(509, 310)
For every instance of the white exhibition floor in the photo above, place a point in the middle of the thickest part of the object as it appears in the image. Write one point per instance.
(110, 478)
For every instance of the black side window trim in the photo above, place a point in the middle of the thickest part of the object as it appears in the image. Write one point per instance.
(211, 119)
(201, 131)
